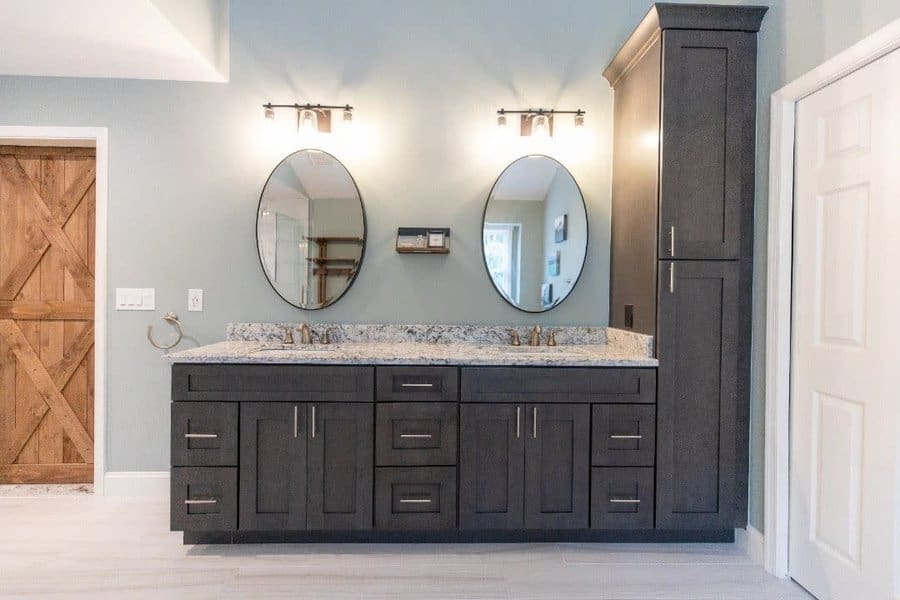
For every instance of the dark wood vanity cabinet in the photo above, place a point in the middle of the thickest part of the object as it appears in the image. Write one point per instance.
(682, 244)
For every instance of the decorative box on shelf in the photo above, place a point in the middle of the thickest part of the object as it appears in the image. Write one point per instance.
(423, 240)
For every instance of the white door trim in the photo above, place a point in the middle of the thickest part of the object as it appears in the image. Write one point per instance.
(97, 137)
(779, 261)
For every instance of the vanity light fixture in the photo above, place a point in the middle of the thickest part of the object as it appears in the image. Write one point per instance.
(311, 117)
(538, 121)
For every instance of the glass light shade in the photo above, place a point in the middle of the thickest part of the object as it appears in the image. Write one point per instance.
(540, 126)
(307, 121)
(270, 113)
(501, 121)
(348, 116)
(579, 120)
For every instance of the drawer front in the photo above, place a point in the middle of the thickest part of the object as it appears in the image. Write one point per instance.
(621, 498)
(204, 499)
(415, 498)
(623, 435)
(204, 434)
(410, 434)
(416, 384)
(558, 384)
(272, 383)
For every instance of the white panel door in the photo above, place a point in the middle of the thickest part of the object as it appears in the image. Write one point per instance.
(846, 340)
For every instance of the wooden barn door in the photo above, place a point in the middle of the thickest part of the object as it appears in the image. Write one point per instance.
(46, 314)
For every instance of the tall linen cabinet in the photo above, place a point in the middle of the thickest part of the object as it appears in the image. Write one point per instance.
(682, 244)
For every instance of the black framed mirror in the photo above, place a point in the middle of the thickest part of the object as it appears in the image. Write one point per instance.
(535, 233)
(311, 229)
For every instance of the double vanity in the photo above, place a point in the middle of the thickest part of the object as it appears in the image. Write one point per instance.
(428, 432)
(416, 433)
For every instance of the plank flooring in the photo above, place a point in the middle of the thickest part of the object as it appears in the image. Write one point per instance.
(83, 546)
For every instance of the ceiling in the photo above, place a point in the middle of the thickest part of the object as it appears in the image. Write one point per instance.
(527, 179)
(134, 39)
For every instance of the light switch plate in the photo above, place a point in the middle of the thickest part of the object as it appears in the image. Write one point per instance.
(195, 300)
(135, 298)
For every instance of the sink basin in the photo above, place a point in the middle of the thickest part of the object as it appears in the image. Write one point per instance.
(305, 349)
(537, 349)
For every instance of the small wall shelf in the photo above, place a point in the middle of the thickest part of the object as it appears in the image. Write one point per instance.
(423, 240)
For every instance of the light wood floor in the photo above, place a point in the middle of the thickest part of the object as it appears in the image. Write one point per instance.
(90, 547)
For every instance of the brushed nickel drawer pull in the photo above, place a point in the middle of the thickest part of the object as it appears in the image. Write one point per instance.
(534, 423)
(312, 421)
(416, 436)
(190, 501)
(296, 421)
(201, 436)
(518, 419)
(671, 278)
(672, 240)
(625, 437)
(624, 501)
(415, 500)
(417, 385)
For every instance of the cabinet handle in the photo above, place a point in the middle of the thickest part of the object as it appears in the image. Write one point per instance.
(296, 421)
(312, 421)
(415, 500)
(671, 278)
(534, 423)
(202, 436)
(625, 437)
(624, 501)
(416, 436)
(190, 501)
(417, 385)
(672, 241)
(518, 421)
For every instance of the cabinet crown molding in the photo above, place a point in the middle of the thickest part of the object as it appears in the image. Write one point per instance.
(666, 15)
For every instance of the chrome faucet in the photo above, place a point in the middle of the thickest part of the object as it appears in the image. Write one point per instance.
(305, 336)
(535, 338)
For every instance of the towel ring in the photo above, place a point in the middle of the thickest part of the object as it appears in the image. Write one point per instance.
(173, 319)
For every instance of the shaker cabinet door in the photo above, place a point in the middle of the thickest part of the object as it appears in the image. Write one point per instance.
(697, 398)
(491, 466)
(707, 148)
(272, 470)
(341, 465)
(557, 466)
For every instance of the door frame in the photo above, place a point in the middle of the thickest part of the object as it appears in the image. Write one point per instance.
(98, 138)
(779, 280)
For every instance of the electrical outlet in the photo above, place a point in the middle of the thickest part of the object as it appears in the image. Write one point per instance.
(195, 300)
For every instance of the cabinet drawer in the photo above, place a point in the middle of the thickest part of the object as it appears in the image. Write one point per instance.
(622, 498)
(416, 384)
(204, 499)
(623, 435)
(558, 384)
(272, 383)
(409, 434)
(415, 498)
(204, 434)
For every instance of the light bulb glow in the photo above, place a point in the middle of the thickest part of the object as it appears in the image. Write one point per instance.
(540, 126)
(307, 121)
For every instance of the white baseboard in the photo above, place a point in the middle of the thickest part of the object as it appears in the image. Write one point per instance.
(753, 542)
(136, 483)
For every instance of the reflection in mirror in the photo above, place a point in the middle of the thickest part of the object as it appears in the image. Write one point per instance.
(535, 233)
(310, 229)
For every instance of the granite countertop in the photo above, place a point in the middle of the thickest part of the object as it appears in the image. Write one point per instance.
(259, 343)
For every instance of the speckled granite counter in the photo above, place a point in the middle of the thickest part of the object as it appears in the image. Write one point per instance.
(259, 343)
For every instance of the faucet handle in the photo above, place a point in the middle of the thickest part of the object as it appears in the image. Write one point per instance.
(326, 336)
(288, 339)
(551, 338)
(514, 341)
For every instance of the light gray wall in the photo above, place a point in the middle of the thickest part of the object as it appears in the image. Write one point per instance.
(426, 78)
(564, 198)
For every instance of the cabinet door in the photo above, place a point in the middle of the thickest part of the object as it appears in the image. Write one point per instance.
(697, 398)
(557, 466)
(491, 466)
(272, 467)
(341, 465)
(707, 154)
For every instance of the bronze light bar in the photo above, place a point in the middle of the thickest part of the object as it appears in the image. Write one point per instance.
(544, 116)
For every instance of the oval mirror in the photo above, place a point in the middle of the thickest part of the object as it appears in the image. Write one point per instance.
(310, 229)
(535, 233)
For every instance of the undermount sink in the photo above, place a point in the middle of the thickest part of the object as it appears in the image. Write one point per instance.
(297, 348)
